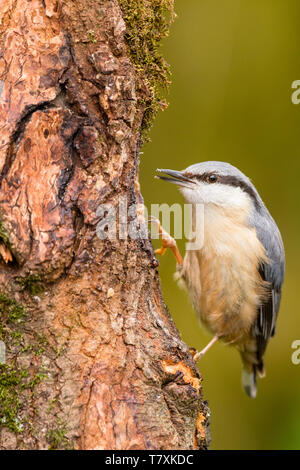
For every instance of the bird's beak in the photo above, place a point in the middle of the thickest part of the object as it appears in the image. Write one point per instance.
(176, 177)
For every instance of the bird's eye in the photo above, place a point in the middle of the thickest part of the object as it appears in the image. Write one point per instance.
(212, 178)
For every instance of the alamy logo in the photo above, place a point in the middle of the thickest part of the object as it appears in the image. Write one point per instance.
(296, 354)
(296, 94)
(134, 221)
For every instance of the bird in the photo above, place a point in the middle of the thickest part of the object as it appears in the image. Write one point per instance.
(234, 278)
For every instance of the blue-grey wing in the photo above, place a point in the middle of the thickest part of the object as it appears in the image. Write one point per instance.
(272, 272)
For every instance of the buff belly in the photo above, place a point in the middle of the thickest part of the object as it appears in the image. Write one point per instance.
(223, 280)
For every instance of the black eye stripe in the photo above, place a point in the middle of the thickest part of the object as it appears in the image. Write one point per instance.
(229, 180)
(206, 177)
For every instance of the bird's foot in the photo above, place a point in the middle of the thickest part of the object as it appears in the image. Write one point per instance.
(197, 355)
(166, 241)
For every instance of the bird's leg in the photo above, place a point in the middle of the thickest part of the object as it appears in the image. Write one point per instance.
(166, 242)
(200, 354)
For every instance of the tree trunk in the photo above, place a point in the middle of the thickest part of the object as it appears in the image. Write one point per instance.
(93, 359)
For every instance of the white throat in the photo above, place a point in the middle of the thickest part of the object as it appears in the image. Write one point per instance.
(218, 194)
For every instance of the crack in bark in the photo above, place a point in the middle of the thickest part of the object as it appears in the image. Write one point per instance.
(67, 173)
(64, 179)
(16, 136)
(78, 224)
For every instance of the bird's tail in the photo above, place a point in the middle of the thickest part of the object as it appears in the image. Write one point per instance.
(249, 379)
(251, 368)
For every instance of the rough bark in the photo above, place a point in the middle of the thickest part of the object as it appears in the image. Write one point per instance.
(94, 360)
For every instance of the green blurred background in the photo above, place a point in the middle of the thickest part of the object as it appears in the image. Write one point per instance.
(233, 64)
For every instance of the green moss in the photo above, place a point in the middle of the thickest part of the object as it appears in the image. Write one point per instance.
(31, 283)
(16, 384)
(147, 23)
(10, 382)
(51, 405)
(57, 437)
(92, 36)
(41, 344)
(10, 309)
(13, 382)
(12, 314)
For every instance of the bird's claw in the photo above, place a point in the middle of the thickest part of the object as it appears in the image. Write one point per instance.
(197, 356)
(166, 241)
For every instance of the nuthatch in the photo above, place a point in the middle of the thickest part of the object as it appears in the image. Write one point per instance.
(234, 280)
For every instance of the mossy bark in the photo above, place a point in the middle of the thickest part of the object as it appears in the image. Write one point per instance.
(93, 359)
